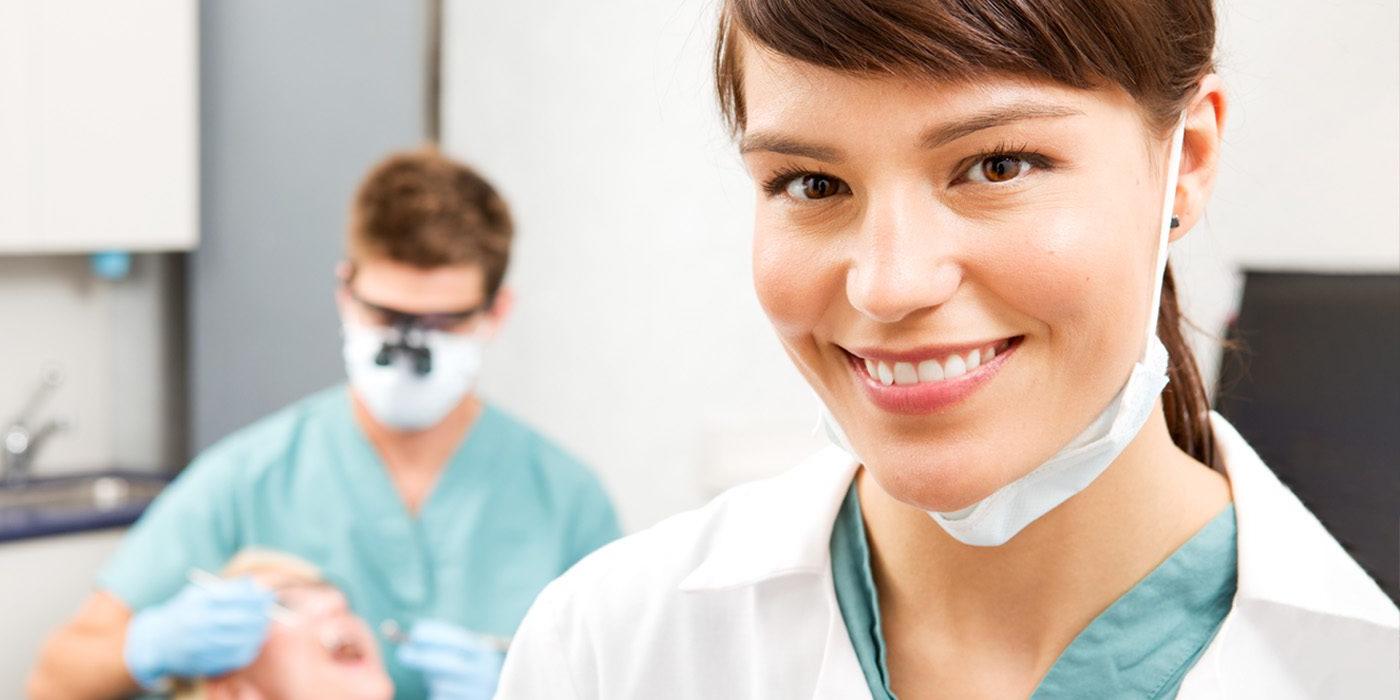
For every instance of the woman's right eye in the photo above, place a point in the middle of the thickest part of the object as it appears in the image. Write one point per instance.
(808, 186)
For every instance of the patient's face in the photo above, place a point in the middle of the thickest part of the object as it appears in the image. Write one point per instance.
(328, 652)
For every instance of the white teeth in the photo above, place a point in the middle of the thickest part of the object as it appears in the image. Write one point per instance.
(886, 376)
(905, 374)
(952, 367)
(930, 371)
(955, 367)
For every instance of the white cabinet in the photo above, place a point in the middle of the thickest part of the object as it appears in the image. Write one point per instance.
(16, 113)
(98, 125)
(42, 583)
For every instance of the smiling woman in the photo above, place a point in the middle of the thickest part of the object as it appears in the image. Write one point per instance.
(961, 233)
(927, 256)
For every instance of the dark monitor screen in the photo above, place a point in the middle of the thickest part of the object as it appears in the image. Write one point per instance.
(1314, 385)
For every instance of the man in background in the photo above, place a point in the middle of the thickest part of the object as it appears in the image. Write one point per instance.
(433, 511)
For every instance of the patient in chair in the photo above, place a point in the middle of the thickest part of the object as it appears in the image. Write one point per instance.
(323, 650)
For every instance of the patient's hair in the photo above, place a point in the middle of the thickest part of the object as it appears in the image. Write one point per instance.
(253, 561)
(256, 561)
(424, 209)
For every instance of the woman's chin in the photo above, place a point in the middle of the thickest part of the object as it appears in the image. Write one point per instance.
(936, 487)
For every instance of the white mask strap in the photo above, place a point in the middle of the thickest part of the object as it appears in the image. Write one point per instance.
(1169, 202)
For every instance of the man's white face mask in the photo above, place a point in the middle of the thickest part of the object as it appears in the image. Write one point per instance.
(393, 384)
(994, 520)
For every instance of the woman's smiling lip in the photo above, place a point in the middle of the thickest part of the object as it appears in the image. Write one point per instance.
(924, 353)
(928, 379)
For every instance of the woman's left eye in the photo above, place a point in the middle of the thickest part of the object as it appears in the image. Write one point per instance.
(996, 169)
(813, 186)
(804, 186)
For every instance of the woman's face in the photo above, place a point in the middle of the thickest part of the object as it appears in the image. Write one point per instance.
(961, 271)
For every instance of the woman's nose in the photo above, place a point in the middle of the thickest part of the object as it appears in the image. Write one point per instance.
(903, 262)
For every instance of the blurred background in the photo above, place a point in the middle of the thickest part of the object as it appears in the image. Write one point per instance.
(175, 177)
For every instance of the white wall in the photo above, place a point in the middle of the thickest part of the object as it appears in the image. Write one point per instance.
(638, 341)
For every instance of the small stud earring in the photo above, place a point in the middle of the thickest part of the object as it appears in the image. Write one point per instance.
(1176, 221)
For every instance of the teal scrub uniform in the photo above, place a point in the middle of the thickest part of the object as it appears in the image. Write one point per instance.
(509, 513)
(1140, 647)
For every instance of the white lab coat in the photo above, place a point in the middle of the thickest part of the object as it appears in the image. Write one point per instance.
(735, 600)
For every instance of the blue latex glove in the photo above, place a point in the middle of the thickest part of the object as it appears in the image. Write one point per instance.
(457, 664)
(205, 630)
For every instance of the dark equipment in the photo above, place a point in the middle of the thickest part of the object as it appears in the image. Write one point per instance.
(1314, 385)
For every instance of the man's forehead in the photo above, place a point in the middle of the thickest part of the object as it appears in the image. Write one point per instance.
(443, 289)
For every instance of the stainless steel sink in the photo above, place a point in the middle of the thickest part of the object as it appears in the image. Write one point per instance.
(104, 492)
(72, 503)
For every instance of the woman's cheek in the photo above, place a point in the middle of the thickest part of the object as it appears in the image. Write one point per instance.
(1057, 269)
(1085, 281)
(795, 279)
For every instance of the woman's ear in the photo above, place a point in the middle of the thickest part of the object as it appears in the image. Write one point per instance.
(1200, 153)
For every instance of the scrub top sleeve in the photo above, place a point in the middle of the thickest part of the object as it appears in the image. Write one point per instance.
(594, 523)
(189, 525)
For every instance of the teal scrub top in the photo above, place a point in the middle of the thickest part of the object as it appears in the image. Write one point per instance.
(1141, 646)
(509, 513)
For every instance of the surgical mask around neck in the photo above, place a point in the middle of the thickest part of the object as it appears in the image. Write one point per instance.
(410, 385)
(996, 519)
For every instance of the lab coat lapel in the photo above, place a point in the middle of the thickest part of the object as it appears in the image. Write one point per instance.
(840, 675)
(1285, 555)
(1307, 621)
(783, 528)
(776, 527)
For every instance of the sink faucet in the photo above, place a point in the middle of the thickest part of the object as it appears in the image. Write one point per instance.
(21, 439)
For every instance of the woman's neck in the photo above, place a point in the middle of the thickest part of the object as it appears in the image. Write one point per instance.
(1019, 605)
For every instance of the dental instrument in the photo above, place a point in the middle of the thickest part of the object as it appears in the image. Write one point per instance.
(395, 633)
(339, 646)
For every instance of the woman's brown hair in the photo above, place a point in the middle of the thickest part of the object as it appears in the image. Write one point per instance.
(1155, 50)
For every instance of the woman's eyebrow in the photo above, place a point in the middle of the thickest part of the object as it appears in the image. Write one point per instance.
(933, 137)
(786, 145)
(941, 134)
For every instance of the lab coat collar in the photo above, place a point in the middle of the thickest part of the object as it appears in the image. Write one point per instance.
(1286, 557)
(782, 526)
(776, 527)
